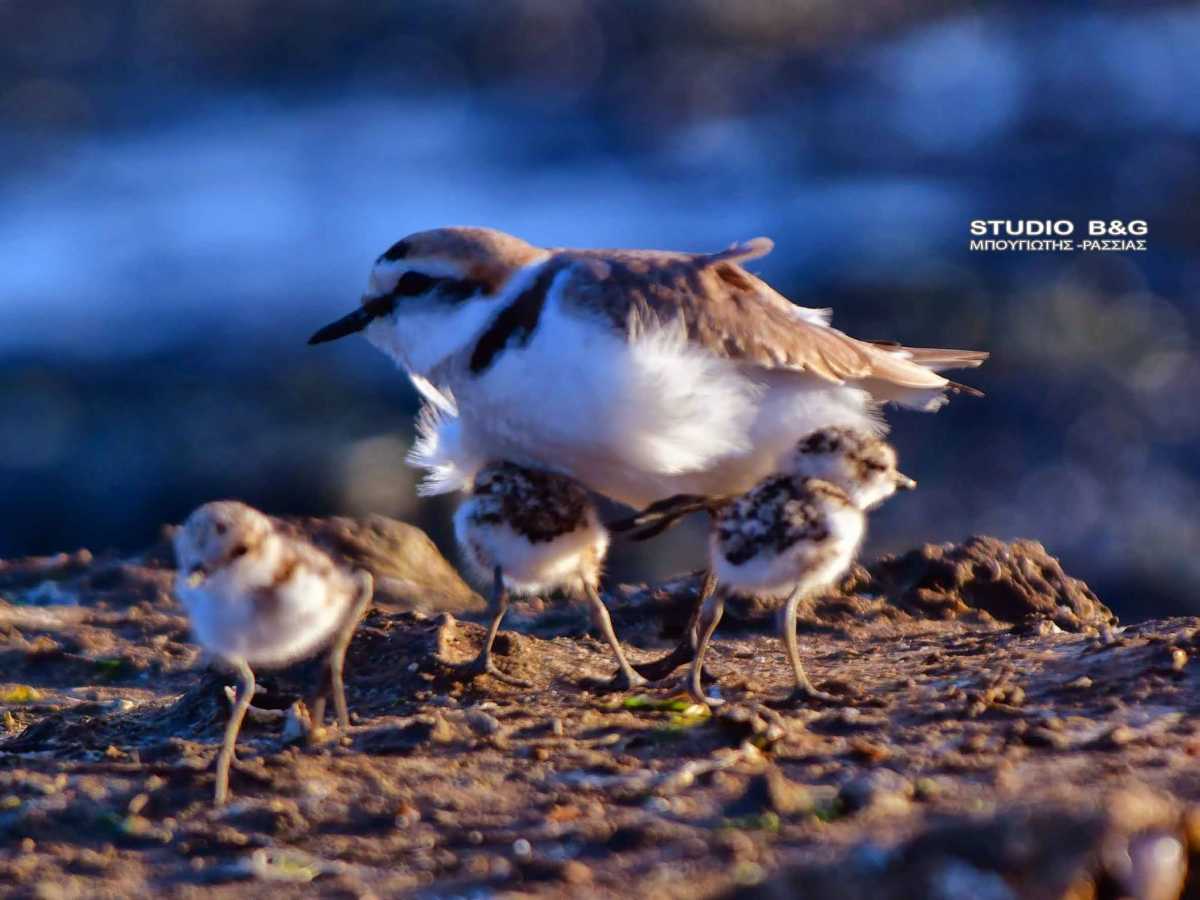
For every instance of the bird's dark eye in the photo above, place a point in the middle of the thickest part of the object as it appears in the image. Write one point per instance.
(221, 529)
(413, 283)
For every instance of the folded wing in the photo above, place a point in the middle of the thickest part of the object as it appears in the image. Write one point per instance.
(737, 316)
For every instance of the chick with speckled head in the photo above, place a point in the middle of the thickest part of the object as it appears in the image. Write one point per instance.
(532, 531)
(258, 598)
(796, 533)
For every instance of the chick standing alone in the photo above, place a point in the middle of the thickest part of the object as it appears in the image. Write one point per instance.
(796, 533)
(532, 532)
(257, 598)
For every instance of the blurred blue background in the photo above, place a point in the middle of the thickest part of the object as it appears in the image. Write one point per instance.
(189, 187)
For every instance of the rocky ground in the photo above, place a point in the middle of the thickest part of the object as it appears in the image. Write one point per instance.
(999, 735)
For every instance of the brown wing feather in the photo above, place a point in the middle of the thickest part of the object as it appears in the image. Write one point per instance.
(725, 309)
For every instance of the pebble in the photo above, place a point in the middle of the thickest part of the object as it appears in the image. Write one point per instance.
(660, 805)
(881, 789)
(482, 723)
(575, 872)
(956, 879)
(1157, 867)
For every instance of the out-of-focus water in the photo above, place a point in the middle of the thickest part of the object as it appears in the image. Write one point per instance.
(158, 276)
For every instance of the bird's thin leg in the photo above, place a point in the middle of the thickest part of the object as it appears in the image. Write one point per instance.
(804, 689)
(337, 653)
(685, 650)
(225, 757)
(710, 615)
(626, 678)
(483, 664)
(316, 705)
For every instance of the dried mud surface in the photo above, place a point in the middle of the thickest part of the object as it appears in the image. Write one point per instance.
(998, 735)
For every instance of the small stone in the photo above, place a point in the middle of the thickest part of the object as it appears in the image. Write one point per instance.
(575, 872)
(660, 805)
(926, 788)
(483, 724)
(1046, 737)
(737, 844)
(1081, 683)
(869, 751)
(477, 866)
(406, 738)
(1120, 736)
(770, 791)
(1157, 867)
(956, 878)
(407, 815)
(522, 849)
(881, 789)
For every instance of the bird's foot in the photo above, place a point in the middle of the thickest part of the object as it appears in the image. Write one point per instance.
(665, 666)
(705, 700)
(806, 696)
(624, 681)
(480, 665)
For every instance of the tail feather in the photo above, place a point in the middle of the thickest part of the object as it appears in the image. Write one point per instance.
(937, 358)
(659, 516)
(958, 388)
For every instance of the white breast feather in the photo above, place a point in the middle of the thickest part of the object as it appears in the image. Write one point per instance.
(440, 451)
(586, 401)
(302, 621)
(814, 567)
(531, 568)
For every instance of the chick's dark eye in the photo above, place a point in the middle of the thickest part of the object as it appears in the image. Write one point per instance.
(221, 529)
(413, 283)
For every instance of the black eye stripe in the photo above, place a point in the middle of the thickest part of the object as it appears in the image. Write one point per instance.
(412, 284)
(397, 251)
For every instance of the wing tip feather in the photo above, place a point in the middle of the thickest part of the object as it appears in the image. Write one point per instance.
(742, 251)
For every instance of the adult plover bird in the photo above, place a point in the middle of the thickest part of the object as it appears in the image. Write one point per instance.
(644, 374)
(797, 532)
(258, 598)
(533, 531)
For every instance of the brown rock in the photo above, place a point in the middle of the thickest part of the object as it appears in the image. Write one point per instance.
(1135, 843)
(770, 791)
(409, 571)
(1010, 582)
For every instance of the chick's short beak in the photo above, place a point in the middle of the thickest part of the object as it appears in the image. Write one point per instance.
(356, 321)
(196, 575)
(904, 483)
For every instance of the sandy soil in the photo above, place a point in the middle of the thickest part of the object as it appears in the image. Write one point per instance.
(1000, 735)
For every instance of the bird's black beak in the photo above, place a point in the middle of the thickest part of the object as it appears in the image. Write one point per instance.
(356, 321)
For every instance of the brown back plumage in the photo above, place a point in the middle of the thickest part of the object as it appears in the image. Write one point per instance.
(736, 315)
